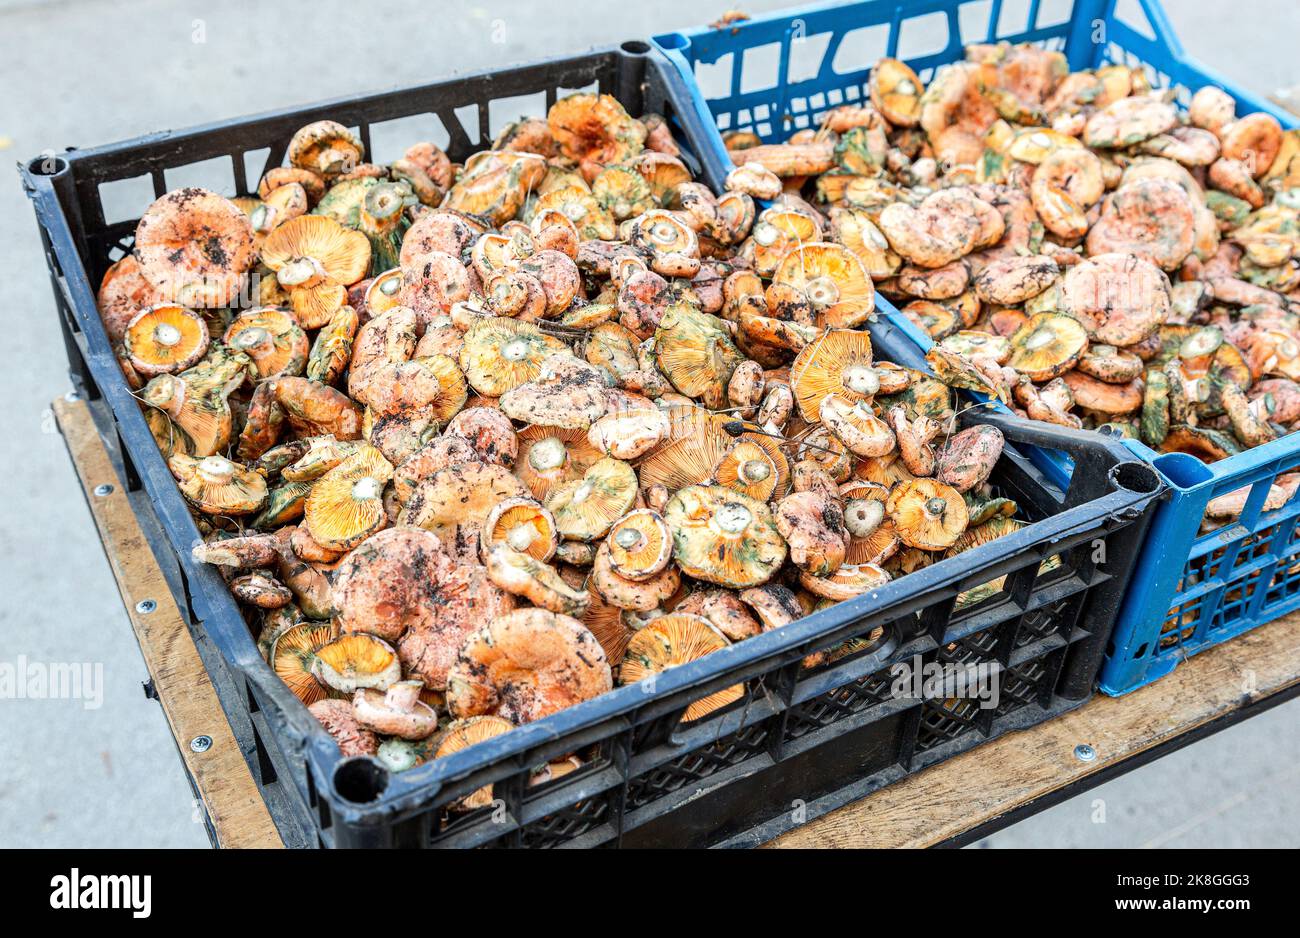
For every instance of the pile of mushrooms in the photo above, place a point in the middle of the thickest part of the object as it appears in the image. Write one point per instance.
(1103, 258)
(497, 437)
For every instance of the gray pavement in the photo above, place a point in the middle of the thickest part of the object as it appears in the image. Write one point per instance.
(82, 72)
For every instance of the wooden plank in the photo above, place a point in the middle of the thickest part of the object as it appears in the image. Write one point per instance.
(230, 796)
(1012, 772)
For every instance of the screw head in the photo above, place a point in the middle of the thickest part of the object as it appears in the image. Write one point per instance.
(200, 743)
(104, 489)
(72, 397)
(146, 606)
(1084, 753)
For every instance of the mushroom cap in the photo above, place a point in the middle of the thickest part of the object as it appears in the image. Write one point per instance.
(345, 505)
(774, 604)
(895, 92)
(566, 392)
(316, 259)
(462, 599)
(549, 456)
(500, 354)
(927, 514)
(326, 148)
(396, 711)
(272, 338)
(386, 584)
(356, 660)
(595, 129)
(856, 426)
(756, 467)
(526, 665)
(723, 537)
(848, 580)
(838, 362)
(341, 723)
(640, 544)
(967, 459)
(813, 527)
(694, 446)
(673, 640)
(627, 432)
(217, 486)
(523, 525)
(1119, 298)
(165, 338)
(292, 654)
(833, 280)
(642, 595)
(194, 247)
(585, 509)
(1047, 345)
(123, 292)
(454, 503)
(695, 352)
(461, 734)
(724, 610)
(489, 432)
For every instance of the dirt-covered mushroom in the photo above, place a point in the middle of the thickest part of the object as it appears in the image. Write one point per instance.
(567, 392)
(247, 552)
(724, 610)
(341, 723)
(631, 426)
(813, 527)
(454, 503)
(967, 459)
(402, 586)
(642, 595)
(195, 248)
(526, 665)
(261, 590)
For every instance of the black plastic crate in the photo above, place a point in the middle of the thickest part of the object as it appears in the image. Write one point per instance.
(800, 741)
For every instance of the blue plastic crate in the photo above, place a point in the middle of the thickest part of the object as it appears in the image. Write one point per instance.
(779, 73)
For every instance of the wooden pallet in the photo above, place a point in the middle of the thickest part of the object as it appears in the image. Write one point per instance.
(952, 803)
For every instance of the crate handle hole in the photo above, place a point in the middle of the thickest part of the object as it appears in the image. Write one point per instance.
(361, 780)
(636, 47)
(47, 165)
(1135, 477)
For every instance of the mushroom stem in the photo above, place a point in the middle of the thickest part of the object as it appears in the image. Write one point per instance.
(404, 695)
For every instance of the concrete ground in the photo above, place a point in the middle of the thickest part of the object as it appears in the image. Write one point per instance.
(103, 772)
